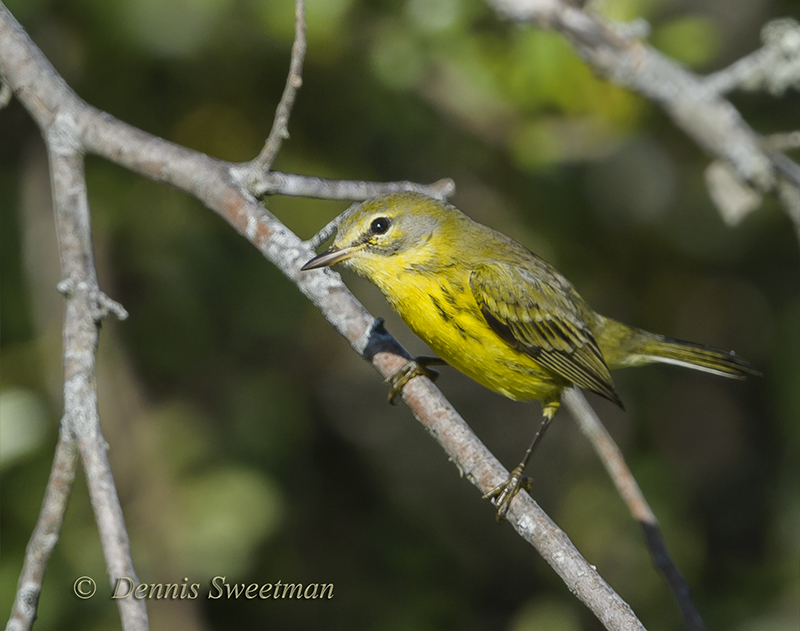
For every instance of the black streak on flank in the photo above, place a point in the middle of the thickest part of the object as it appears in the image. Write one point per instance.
(449, 296)
(445, 316)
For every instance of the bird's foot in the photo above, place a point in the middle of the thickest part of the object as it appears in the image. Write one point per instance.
(412, 368)
(503, 493)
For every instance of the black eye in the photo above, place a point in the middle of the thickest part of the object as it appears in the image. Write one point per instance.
(380, 225)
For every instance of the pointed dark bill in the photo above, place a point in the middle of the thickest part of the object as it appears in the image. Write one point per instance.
(327, 258)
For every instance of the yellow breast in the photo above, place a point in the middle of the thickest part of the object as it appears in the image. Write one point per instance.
(441, 310)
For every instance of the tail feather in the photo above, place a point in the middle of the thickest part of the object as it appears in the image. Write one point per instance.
(624, 346)
(671, 351)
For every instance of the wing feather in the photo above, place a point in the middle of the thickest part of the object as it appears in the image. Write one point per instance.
(537, 315)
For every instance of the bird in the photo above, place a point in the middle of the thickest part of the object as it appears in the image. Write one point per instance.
(491, 308)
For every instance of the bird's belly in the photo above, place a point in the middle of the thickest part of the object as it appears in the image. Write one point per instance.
(456, 331)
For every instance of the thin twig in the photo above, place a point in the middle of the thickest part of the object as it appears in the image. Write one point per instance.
(85, 308)
(293, 185)
(328, 230)
(614, 462)
(280, 126)
(786, 167)
(45, 535)
(739, 72)
(783, 142)
(775, 67)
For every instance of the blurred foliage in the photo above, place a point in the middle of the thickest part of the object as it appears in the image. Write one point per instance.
(248, 441)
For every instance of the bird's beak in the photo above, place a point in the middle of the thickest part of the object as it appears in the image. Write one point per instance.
(328, 257)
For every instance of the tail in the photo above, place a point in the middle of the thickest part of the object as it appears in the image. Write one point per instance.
(628, 346)
(671, 351)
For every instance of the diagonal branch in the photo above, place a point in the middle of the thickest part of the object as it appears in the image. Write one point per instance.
(627, 487)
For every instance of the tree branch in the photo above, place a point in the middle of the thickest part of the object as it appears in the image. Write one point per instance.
(480, 467)
(614, 462)
(45, 534)
(277, 183)
(695, 104)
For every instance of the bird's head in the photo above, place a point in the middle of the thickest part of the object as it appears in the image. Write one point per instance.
(393, 230)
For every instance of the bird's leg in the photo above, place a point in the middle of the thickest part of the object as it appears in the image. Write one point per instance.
(503, 493)
(412, 368)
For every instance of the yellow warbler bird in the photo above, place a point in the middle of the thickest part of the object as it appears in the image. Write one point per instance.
(495, 311)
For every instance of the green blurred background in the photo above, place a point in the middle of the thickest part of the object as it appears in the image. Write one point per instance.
(248, 440)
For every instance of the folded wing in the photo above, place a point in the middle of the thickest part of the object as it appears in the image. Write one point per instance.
(537, 315)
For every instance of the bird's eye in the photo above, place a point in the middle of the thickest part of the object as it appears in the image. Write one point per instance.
(380, 225)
